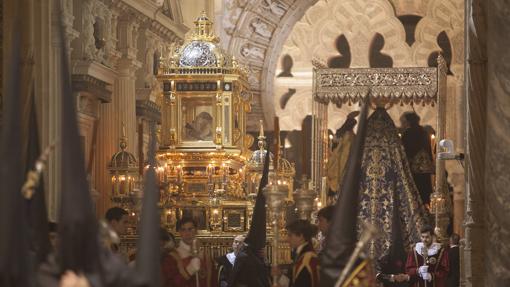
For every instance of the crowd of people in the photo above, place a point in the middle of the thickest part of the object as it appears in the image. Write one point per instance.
(184, 263)
(424, 263)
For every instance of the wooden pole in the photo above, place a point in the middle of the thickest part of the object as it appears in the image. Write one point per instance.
(140, 148)
(276, 143)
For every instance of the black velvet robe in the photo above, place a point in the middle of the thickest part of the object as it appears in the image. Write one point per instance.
(224, 270)
(418, 149)
(249, 270)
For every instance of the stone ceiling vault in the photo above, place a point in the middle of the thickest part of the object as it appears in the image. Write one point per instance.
(256, 32)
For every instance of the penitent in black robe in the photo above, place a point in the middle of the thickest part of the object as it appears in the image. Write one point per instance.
(249, 270)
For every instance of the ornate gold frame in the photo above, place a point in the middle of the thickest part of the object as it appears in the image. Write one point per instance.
(229, 211)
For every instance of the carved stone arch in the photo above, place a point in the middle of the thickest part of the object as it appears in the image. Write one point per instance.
(333, 18)
(266, 75)
(403, 7)
(263, 56)
(441, 16)
(258, 28)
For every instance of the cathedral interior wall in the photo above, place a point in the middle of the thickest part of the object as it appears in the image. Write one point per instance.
(113, 44)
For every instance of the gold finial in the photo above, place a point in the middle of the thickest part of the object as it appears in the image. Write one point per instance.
(262, 138)
(277, 143)
(261, 132)
(235, 64)
(441, 64)
(203, 29)
(319, 63)
(123, 138)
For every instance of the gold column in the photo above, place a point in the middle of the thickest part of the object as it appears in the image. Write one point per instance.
(439, 199)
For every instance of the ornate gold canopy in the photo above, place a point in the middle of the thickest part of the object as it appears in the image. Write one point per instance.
(386, 86)
(410, 85)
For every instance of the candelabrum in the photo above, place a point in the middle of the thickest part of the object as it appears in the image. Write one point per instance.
(304, 199)
(275, 194)
(438, 206)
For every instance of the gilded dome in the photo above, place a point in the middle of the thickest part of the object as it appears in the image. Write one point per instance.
(201, 48)
(198, 54)
(285, 168)
(123, 160)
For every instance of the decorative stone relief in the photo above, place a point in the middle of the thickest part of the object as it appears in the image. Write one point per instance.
(275, 7)
(233, 9)
(440, 16)
(97, 38)
(261, 28)
(252, 52)
(357, 20)
(87, 30)
(410, 7)
(254, 78)
(248, 29)
(314, 37)
(315, 34)
(148, 48)
(88, 105)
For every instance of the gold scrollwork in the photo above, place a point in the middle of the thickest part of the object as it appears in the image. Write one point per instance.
(389, 85)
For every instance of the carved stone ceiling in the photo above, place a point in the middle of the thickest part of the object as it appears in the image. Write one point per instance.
(261, 32)
(410, 7)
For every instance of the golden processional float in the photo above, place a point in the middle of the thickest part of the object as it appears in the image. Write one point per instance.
(387, 87)
(206, 170)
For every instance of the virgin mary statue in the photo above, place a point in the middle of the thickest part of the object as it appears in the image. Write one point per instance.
(385, 180)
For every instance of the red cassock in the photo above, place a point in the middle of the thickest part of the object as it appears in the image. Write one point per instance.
(305, 272)
(175, 274)
(437, 262)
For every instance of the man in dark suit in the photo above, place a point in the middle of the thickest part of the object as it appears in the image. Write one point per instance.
(453, 255)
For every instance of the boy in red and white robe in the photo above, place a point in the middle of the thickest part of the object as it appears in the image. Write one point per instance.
(427, 262)
(182, 267)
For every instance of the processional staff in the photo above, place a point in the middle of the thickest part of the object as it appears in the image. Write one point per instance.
(194, 252)
(425, 254)
(275, 194)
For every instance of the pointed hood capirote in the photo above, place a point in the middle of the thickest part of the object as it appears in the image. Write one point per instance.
(397, 248)
(14, 249)
(256, 238)
(148, 255)
(342, 235)
(78, 248)
(37, 213)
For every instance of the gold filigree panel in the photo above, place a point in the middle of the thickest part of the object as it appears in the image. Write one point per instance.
(395, 85)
